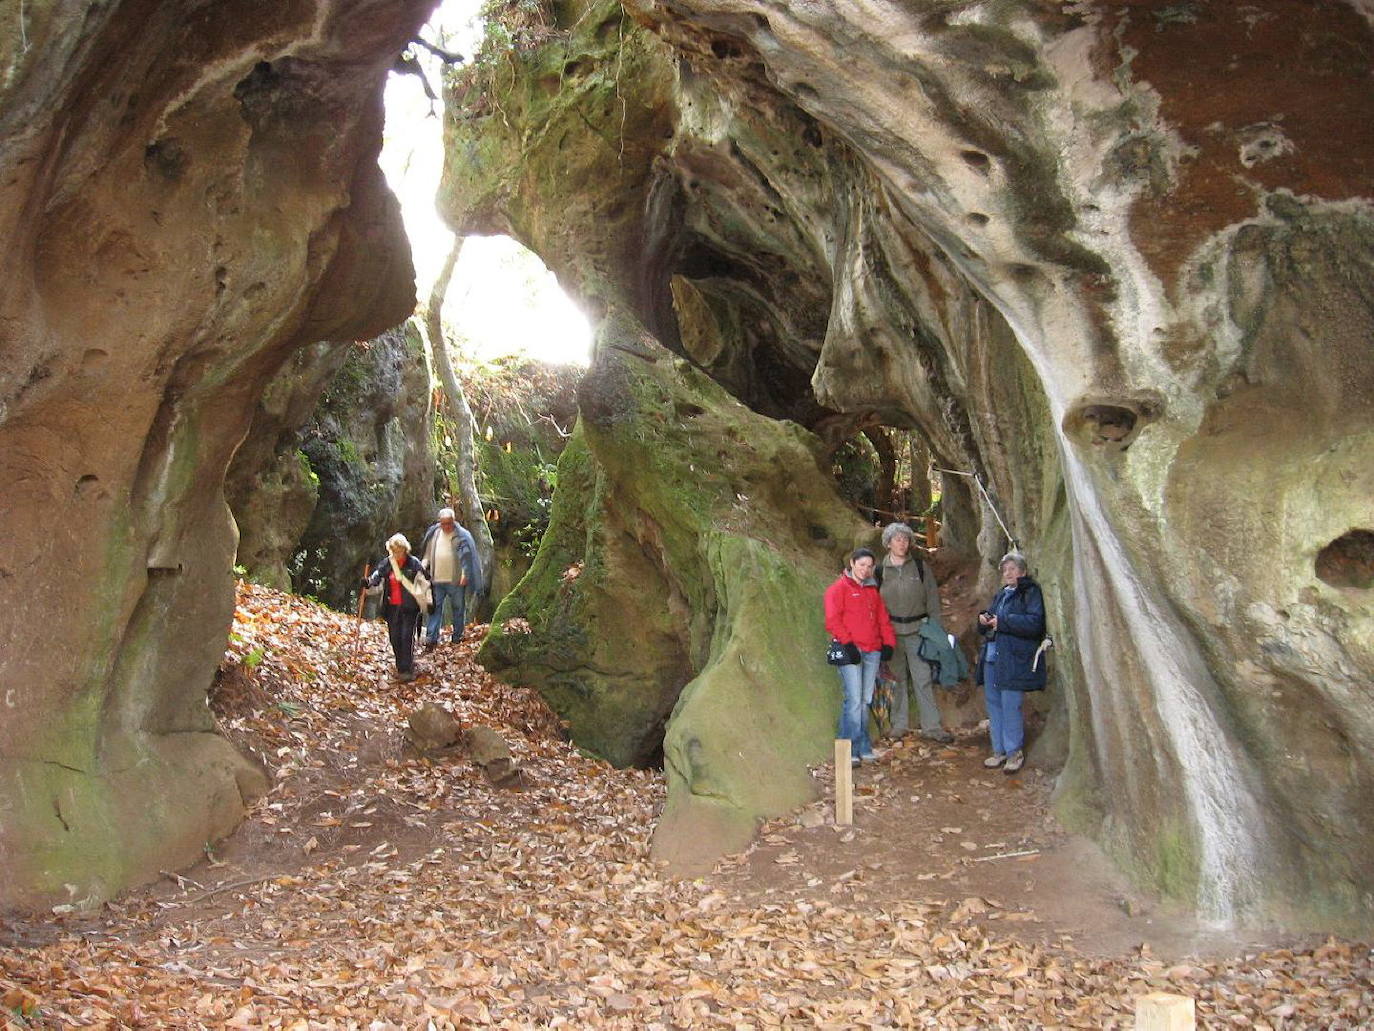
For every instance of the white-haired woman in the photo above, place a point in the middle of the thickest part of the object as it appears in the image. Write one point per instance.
(403, 582)
(1013, 626)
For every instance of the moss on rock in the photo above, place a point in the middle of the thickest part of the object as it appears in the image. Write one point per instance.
(673, 599)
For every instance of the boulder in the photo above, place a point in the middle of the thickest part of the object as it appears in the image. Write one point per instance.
(669, 610)
(431, 729)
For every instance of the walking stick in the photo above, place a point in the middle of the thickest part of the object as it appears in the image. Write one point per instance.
(362, 604)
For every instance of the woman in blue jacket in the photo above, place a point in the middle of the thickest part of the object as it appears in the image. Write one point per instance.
(1010, 662)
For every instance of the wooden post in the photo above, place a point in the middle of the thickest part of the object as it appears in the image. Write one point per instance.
(362, 605)
(1160, 1011)
(844, 784)
(932, 533)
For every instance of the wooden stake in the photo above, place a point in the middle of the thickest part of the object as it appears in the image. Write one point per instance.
(362, 604)
(844, 784)
(1160, 1011)
(932, 533)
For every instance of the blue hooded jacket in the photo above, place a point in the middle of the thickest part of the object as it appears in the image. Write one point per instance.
(1020, 616)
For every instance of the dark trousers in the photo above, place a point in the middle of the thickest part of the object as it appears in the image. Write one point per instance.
(401, 623)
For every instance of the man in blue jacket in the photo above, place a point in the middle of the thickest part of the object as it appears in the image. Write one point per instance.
(449, 555)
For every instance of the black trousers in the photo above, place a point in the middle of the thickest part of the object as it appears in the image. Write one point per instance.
(401, 622)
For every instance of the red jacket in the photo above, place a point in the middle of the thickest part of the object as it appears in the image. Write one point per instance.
(855, 612)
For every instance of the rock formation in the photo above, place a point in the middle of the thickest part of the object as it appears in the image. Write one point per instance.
(1110, 264)
(339, 456)
(677, 586)
(188, 194)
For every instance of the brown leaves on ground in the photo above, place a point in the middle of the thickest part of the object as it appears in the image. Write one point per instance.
(387, 893)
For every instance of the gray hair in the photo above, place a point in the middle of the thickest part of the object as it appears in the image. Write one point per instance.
(1018, 558)
(397, 540)
(892, 530)
(447, 513)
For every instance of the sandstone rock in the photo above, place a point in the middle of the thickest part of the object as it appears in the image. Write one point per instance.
(489, 750)
(680, 577)
(339, 456)
(1108, 267)
(186, 198)
(485, 746)
(431, 729)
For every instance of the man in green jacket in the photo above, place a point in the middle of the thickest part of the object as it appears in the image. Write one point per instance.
(912, 597)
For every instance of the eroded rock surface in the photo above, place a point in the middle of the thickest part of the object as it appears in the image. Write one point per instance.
(188, 194)
(1106, 260)
(675, 587)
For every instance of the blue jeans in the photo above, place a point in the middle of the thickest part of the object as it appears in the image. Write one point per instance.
(457, 599)
(858, 682)
(1004, 714)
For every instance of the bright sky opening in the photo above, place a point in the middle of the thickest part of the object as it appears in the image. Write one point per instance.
(502, 300)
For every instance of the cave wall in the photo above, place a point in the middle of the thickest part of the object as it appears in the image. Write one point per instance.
(339, 456)
(370, 442)
(188, 194)
(664, 615)
(1100, 255)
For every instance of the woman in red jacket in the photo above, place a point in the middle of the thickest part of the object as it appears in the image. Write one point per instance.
(856, 617)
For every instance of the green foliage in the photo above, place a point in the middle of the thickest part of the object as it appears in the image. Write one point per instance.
(511, 28)
(310, 475)
(523, 409)
(856, 470)
(348, 451)
(254, 658)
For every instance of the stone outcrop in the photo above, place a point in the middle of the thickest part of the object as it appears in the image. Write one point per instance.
(370, 443)
(271, 489)
(1107, 262)
(188, 195)
(675, 588)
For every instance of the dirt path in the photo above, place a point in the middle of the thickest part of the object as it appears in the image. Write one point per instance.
(933, 826)
(371, 890)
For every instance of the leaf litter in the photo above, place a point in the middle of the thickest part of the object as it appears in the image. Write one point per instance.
(370, 890)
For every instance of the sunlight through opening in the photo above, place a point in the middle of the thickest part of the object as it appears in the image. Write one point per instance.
(502, 300)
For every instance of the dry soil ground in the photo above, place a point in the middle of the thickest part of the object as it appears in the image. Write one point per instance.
(372, 890)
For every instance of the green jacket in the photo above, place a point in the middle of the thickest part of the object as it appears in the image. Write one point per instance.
(947, 660)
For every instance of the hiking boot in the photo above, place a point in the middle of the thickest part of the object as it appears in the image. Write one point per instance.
(1015, 761)
(853, 762)
(405, 678)
(939, 734)
(431, 645)
(995, 760)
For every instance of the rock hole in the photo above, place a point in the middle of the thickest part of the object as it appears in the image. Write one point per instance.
(687, 410)
(726, 48)
(1348, 561)
(166, 158)
(977, 160)
(86, 485)
(261, 78)
(1111, 426)
(977, 218)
